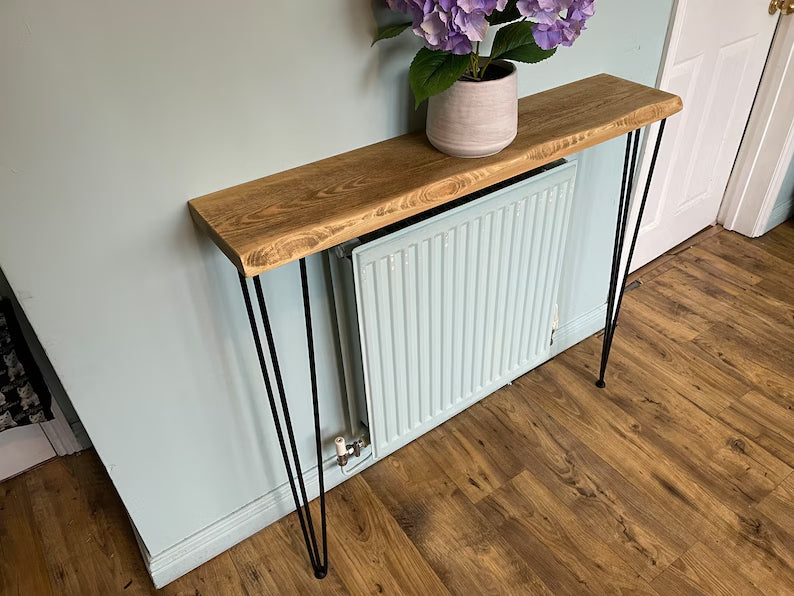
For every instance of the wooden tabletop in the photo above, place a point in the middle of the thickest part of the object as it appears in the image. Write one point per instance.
(271, 221)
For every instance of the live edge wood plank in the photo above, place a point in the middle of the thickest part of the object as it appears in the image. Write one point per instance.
(266, 223)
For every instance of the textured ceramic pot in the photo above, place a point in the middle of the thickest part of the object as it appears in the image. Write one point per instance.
(475, 118)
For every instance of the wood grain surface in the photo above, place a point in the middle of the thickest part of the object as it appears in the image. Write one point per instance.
(268, 222)
(674, 479)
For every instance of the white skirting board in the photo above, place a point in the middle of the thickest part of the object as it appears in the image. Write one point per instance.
(579, 329)
(168, 565)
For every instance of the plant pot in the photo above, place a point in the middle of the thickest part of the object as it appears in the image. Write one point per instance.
(475, 118)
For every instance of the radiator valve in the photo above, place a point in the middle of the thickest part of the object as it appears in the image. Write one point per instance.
(345, 451)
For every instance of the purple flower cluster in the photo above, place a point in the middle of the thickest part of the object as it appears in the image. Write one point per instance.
(550, 29)
(450, 25)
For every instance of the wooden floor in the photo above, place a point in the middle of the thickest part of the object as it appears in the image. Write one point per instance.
(675, 479)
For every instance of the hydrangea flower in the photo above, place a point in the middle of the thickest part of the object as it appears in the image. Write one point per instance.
(551, 29)
(453, 29)
(486, 6)
(453, 25)
(582, 10)
(544, 12)
(450, 25)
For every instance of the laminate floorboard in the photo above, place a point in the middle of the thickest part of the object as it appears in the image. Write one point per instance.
(674, 479)
(23, 567)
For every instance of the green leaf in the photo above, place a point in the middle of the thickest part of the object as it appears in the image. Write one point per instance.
(390, 31)
(515, 42)
(433, 71)
(509, 14)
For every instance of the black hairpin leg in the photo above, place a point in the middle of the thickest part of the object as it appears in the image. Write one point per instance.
(617, 282)
(319, 561)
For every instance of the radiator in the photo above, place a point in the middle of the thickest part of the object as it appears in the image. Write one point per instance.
(456, 306)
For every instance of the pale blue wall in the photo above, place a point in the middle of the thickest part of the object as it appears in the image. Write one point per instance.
(115, 114)
(784, 206)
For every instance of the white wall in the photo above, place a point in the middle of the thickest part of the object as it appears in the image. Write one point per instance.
(114, 114)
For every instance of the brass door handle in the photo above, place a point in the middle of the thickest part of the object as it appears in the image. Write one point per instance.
(784, 6)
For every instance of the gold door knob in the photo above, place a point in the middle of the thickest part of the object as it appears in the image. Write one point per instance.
(784, 6)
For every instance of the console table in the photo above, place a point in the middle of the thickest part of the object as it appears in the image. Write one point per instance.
(288, 216)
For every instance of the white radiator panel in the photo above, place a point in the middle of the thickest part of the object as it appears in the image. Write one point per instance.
(455, 307)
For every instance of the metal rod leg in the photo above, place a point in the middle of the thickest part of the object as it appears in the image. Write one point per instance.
(322, 569)
(615, 297)
(318, 560)
(618, 248)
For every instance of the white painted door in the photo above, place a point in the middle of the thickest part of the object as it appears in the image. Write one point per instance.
(714, 61)
(768, 146)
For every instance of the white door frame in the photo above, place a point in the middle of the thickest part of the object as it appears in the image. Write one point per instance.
(59, 433)
(768, 145)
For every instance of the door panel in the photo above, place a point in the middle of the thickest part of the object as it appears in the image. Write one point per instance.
(714, 61)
